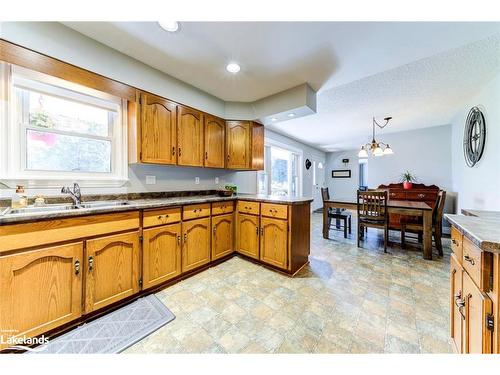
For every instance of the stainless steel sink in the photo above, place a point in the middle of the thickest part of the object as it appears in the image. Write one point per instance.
(41, 209)
(100, 204)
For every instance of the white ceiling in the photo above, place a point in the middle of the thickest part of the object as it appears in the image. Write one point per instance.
(420, 73)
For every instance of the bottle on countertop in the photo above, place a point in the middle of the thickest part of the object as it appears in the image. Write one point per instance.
(19, 199)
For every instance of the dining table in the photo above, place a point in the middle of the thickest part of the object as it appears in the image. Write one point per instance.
(394, 206)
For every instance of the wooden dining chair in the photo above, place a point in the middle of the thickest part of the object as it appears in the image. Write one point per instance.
(337, 214)
(412, 226)
(372, 212)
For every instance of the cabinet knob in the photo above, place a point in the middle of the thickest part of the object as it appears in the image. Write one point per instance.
(179, 239)
(469, 259)
(454, 242)
(91, 263)
(185, 237)
(77, 267)
(215, 229)
(179, 152)
(173, 150)
(421, 195)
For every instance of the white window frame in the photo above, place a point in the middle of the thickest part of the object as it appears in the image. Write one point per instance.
(268, 142)
(13, 141)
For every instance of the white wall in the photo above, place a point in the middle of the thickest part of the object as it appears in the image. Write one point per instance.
(342, 187)
(479, 187)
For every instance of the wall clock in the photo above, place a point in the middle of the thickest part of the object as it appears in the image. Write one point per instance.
(308, 164)
(474, 136)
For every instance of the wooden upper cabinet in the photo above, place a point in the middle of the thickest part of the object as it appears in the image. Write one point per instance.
(478, 306)
(274, 242)
(189, 137)
(161, 254)
(222, 236)
(257, 146)
(158, 130)
(215, 130)
(196, 243)
(40, 290)
(112, 269)
(238, 147)
(247, 236)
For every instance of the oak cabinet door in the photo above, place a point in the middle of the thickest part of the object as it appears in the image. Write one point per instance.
(196, 243)
(112, 269)
(215, 130)
(158, 130)
(238, 138)
(257, 146)
(161, 254)
(40, 290)
(222, 236)
(247, 235)
(478, 339)
(456, 304)
(189, 137)
(274, 242)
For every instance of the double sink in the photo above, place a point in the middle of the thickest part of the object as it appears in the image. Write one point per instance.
(62, 207)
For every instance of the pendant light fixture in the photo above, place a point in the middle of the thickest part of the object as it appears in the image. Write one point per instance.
(376, 148)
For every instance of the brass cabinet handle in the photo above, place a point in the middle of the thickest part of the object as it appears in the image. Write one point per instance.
(215, 229)
(261, 231)
(179, 152)
(454, 241)
(206, 155)
(469, 259)
(228, 157)
(179, 239)
(173, 150)
(185, 237)
(421, 195)
(460, 303)
(91, 263)
(77, 267)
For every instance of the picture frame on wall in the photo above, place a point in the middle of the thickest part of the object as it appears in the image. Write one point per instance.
(341, 173)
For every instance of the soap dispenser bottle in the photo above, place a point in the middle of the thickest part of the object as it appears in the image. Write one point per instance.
(19, 199)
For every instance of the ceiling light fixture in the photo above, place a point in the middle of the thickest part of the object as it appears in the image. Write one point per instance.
(170, 26)
(291, 115)
(233, 68)
(376, 147)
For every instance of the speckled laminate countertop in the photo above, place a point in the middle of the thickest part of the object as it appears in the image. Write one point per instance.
(147, 203)
(481, 227)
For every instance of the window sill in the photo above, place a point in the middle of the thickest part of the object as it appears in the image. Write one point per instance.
(43, 183)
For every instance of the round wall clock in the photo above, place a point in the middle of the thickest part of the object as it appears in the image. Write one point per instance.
(474, 136)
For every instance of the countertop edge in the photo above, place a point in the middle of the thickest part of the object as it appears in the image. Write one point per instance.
(484, 245)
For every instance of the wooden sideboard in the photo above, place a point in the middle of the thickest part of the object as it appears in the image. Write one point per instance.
(419, 192)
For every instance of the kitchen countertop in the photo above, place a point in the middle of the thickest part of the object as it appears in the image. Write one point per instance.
(481, 227)
(147, 203)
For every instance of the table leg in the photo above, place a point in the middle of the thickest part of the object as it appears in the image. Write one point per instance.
(427, 234)
(325, 221)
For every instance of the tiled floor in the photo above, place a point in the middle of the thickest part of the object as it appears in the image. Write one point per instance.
(348, 300)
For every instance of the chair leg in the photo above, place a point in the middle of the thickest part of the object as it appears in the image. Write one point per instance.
(437, 240)
(359, 233)
(403, 237)
(350, 227)
(345, 227)
(386, 238)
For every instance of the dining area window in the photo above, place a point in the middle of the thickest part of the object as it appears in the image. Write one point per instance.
(281, 174)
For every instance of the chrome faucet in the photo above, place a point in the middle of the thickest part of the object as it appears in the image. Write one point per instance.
(75, 194)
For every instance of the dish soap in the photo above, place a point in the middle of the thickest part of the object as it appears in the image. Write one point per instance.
(19, 199)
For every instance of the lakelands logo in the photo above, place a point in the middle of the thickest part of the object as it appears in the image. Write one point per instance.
(22, 343)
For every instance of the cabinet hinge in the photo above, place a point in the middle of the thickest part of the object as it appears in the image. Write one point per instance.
(140, 282)
(490, 322)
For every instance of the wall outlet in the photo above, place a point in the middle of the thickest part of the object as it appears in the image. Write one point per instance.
(197, 180)
(150, 180)
(216, 180)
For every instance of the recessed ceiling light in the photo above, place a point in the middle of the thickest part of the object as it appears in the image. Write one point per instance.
(233, 68)
(171, 26)
(291, 115)
(274, 119)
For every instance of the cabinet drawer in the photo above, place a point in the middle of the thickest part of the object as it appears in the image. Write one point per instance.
(456, 243)
(279, 211)
(163, 216)
(397, 195)
(430, 196)
(478, 264)
(195, 211)
(247, 207)
(219, 208)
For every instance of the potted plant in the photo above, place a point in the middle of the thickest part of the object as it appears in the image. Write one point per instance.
(408, 179)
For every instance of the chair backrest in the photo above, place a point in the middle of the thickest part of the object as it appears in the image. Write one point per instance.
(372, 205)
(437, 215)
(325, 195)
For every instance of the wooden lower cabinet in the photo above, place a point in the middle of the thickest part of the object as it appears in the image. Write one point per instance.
(457, 314)
(196, 243)
(161, 254)
(247, 236)
(274, 242)
(222, 236)
(111, 269)
(478, 306)
(40, 290)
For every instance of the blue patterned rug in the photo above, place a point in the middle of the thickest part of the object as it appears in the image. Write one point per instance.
(114, 332)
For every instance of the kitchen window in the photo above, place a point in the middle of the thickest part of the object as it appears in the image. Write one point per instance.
(281, 175)
(57, 131)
